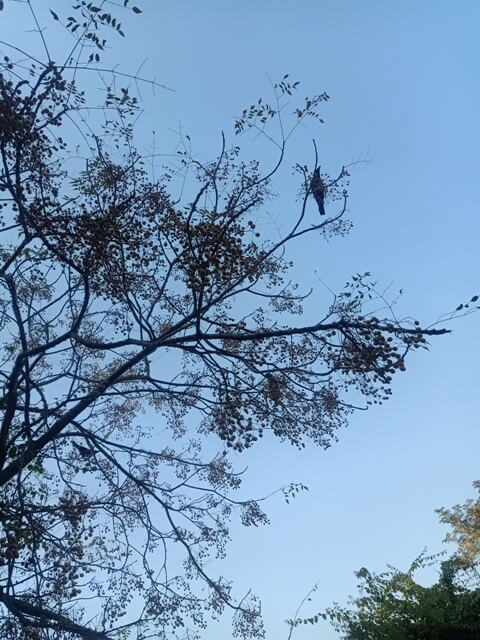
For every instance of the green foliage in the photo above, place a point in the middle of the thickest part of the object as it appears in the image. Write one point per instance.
(464, 520)
(394, 606)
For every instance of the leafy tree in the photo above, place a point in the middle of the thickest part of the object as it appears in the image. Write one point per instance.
(393, 606)
(123, 297)
(464, 521)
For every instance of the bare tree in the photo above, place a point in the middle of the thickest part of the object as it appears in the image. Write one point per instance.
(120, 298)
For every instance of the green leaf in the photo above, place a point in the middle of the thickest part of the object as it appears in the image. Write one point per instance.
(55, 16)
(136, 10)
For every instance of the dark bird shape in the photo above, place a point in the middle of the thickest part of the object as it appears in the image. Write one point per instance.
(318, 189)
(83, 451)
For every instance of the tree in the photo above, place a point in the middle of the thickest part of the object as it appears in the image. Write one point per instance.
(392, 605)
(464, 521)
(120, 296)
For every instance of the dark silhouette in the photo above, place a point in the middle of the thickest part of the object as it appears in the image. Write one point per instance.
(318, 189)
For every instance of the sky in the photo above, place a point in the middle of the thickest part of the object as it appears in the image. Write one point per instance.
(405, 98)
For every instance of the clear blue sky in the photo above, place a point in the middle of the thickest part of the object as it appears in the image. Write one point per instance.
(403, 78)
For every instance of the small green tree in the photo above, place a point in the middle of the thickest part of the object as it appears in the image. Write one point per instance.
(393, 606)
(464, 520)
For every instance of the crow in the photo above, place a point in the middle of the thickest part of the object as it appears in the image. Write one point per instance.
(318, 189)
(83, 451)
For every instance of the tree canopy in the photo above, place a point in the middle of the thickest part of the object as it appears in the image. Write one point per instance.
(393, 605)
(464, 521)
(124, 296)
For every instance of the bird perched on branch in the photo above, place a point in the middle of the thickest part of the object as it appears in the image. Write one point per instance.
(318, 189)
(83, 451)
